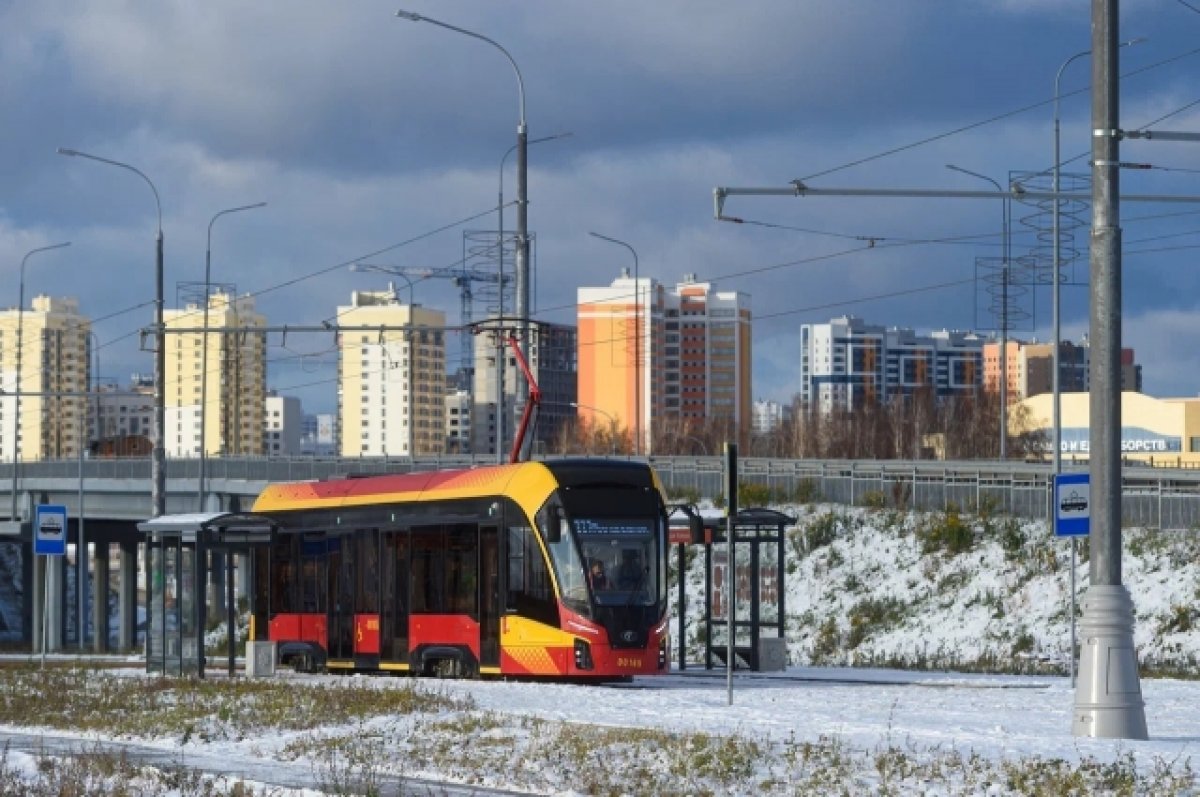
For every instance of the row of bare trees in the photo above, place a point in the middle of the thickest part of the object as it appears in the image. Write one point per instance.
(919, 426)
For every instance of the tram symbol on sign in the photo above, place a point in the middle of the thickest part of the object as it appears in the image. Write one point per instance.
(1074, 503)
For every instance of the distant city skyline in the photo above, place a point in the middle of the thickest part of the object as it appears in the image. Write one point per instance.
(376, 140)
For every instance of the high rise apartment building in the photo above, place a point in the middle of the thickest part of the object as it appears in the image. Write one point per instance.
(848, 363)
(284, 420)
(769, 416)
(119, 415)
(650, 355)
(552, 352)
(1075, 361)
(54, 354)
(391, 377)
(232, 394)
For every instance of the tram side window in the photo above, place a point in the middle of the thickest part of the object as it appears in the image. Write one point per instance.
(283, 576)
(428, 571)
(530, 592)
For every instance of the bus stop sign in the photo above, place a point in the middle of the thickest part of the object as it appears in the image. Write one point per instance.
(1072, 505)
(50, 530)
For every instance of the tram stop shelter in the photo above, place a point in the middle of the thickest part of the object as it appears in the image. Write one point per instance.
(182, 553)
(757, 612)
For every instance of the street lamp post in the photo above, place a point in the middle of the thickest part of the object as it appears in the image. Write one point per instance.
(637, 337)
(204, 349)
(1003, 358)
(81, 560)
(412, 403)
(500, 447)
(158, 476)
(17, 388)
(612, 437)
(1056, 385)
(522, 195)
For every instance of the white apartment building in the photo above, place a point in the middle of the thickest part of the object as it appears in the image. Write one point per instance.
(229, 387)
(49, 344)
(284, 421)
(458, 421)
(847, 363)
(769, 416)
(123, 412)
(391, 377)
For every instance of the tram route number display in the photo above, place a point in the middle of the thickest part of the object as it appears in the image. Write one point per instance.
(768, 587)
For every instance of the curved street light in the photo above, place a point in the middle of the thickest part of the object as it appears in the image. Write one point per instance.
(522, 308)
(1002, 360)
(158, 475)
(204, 347)
(17, 388)
(637, 335)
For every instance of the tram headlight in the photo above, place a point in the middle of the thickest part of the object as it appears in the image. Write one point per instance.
(583, 655)
(662, 652)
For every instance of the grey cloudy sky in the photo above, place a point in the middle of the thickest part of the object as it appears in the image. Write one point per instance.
(363, 131)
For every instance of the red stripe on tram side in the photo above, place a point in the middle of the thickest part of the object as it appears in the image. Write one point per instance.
(458, 630)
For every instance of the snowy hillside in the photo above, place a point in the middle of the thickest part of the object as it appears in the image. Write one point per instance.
(879, 587)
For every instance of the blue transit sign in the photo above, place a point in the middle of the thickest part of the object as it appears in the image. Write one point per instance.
(1072, 504)
(50, 530)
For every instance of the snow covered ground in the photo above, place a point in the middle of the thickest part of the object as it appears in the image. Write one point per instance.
(924, 593)
(860, 713)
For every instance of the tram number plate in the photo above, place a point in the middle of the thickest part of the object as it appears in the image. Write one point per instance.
(628, 661)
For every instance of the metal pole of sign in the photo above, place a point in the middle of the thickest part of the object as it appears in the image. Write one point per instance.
(730, 564)
(1072, 656)
(45, 604)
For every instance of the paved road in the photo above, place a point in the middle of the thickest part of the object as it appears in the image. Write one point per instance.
(279, 774)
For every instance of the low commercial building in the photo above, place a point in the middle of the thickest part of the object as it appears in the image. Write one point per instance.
(1158, 431)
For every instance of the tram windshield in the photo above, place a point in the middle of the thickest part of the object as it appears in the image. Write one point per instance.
(609, 560)
(620, 555)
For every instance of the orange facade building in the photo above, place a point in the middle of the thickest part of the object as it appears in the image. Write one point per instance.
(649, 353)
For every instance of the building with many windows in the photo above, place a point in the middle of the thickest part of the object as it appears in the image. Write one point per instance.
(848, 363)
(284, 424)
(391, 377)
(49, 344)
(123, 417)
(1036, 368)
(552, 351)
(458, 421)
(769, 416)
(655, 358)
(229, 387)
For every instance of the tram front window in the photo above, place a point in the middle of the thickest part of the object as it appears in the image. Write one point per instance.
(619, 554)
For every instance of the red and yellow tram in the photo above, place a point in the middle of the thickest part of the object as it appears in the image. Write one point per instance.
(472, 572)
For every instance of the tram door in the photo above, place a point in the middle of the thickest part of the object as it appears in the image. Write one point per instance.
(393, 619)
(489, 596)
(341, 596)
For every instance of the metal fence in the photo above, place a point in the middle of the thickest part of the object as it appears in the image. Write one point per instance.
(1165, 498)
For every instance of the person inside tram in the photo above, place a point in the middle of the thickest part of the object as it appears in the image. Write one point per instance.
(631, 573)
(597, 576)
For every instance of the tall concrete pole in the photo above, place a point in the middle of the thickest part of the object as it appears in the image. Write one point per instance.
(1108, 696)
